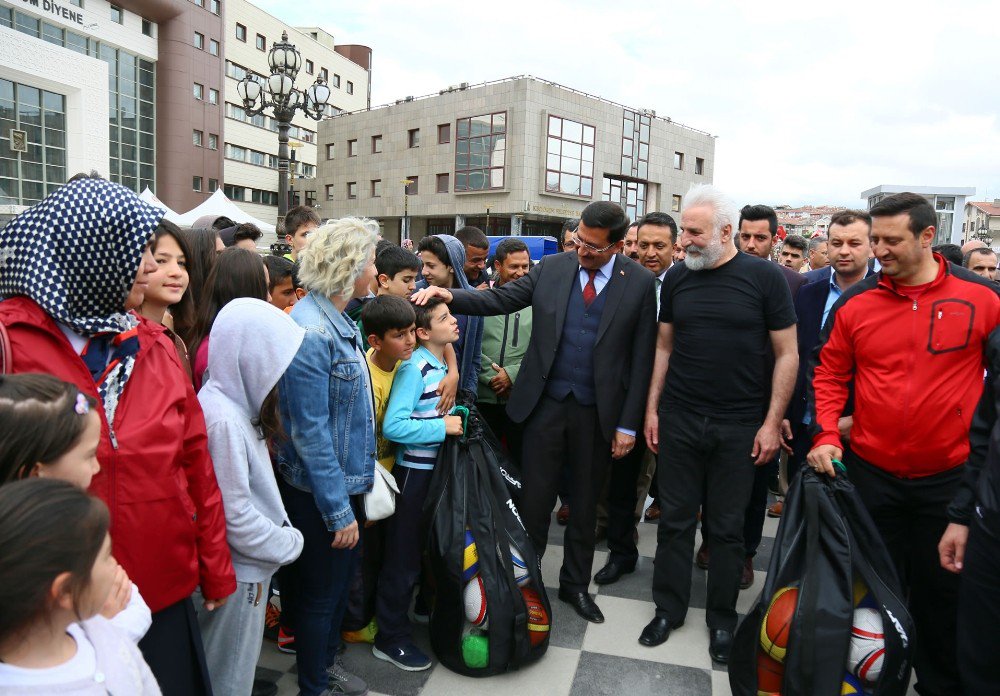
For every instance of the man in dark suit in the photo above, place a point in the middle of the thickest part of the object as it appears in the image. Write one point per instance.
(581, 392)
(758, 234)
(850, 247)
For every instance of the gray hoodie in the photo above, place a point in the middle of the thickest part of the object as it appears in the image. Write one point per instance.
(252, 344)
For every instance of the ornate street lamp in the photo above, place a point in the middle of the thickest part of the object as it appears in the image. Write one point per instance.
(277, 92)
(983, 234)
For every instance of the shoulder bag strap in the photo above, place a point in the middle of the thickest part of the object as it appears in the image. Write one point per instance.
(6, 357)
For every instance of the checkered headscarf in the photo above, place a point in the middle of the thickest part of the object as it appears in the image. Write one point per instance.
(76, 254)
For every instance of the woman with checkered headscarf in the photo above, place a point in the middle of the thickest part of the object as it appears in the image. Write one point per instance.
(71, 269)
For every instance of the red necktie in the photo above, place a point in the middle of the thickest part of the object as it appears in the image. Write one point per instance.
(589, 290)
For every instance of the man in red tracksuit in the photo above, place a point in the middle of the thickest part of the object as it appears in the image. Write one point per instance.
(912, 339)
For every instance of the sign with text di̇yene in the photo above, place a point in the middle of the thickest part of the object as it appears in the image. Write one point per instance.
(68, 12)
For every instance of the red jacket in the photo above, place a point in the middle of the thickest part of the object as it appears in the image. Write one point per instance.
(167, 525)
(917, 367)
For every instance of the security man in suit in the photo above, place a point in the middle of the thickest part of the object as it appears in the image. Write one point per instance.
(581, 392)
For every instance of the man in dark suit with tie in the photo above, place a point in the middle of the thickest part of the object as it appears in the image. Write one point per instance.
(849, 248)
(581, 392)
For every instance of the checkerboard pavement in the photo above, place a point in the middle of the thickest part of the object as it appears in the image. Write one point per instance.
(582, 658)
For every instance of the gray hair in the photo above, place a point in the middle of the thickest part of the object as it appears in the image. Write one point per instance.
(337, 255)
(724, 211)
(816, 240)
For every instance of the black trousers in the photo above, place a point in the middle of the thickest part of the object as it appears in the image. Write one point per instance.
(753, 518)
(622, 499)
(173, 650)
(911, 516)
(979, 609)
(559, 433)
(706, 459)
(506, 430)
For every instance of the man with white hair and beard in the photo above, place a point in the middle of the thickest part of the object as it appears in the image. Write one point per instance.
(708, 415)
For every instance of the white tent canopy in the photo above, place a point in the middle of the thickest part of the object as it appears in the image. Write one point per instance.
(218, 204)
(150, 197)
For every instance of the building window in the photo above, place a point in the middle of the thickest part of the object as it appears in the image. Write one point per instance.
(630, 195)
(213, 47)
(199, 41)
(330, 150)
(117, 15)
(699, 165)
(197, 138)
(196, 183)
(675, 204)
(412, 187)
(214, 5)
(78, 3)
(352, 148)
(350, 87)
(376, 188)
(678, 160)
(213, 185)
(376, 144)
(323, 73)
(444, 133)
(213, 141)
(352, 189)
(261, 42)
(241, 33)
(442, 183)
(27, 177)
(635, 144)
(569, 162)
(213, 96)
(336, 79)
(480, 151)
(199, 91)
(329, 192)
(413, 137)
(199, 3)
(309, 67)
(147, 26)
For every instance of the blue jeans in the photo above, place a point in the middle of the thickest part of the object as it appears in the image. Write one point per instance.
(324, 578)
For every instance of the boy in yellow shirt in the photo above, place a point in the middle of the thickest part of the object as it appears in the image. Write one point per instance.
(389, 322)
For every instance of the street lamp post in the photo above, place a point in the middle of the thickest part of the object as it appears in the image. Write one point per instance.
(283, 100)
(983, 234)
(405, 232)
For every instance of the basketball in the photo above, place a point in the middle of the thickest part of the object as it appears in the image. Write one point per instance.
(777, 622)
(851, 686)
(476, 651)
(521, 575)
(867, 651)
(474, 596)
(770, 673)
(538, 618)
(470, 560)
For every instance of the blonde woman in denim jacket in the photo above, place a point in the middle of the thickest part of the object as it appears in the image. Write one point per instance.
(328, 462)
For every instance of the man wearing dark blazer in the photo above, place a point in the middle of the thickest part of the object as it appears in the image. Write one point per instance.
(581, 391)
(850, 247)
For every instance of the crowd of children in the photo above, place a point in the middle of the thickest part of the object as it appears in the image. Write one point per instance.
(225, 416)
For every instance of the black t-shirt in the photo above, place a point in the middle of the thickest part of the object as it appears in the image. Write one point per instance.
(721, 364)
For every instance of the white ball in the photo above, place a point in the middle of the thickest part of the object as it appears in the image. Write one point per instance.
(521, 575)
(474, 596)
(867, 652)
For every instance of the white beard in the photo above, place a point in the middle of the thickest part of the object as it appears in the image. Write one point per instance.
(708, 257)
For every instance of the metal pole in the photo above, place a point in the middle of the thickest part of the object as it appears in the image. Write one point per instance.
(406, 215)
(283, 125)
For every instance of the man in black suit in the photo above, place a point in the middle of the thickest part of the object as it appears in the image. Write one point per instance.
(758, 234)
(725, 368)
(581, 391)
(849, 247)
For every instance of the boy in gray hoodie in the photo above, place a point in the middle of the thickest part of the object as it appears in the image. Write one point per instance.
(252, 344)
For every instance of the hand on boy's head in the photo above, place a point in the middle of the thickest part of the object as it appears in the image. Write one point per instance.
(420, 297)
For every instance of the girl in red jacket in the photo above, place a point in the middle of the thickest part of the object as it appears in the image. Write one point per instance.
(71, 268)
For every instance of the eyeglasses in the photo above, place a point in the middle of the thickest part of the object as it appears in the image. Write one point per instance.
(590, 247)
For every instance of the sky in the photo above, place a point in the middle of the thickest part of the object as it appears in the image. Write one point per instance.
(812, 103)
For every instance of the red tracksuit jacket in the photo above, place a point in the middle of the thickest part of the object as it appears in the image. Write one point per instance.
(916, 365)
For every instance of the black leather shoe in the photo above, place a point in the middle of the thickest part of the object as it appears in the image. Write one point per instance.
(612, 572)
(583, 605)
(720, 644)
(657, 631)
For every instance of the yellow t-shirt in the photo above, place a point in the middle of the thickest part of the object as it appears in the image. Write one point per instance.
(385, 451)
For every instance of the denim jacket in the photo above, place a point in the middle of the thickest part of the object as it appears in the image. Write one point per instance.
(326, 409)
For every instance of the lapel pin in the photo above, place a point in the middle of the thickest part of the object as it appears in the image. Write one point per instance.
(622, 272)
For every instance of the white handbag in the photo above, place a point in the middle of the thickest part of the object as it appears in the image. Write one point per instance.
(380, 501)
